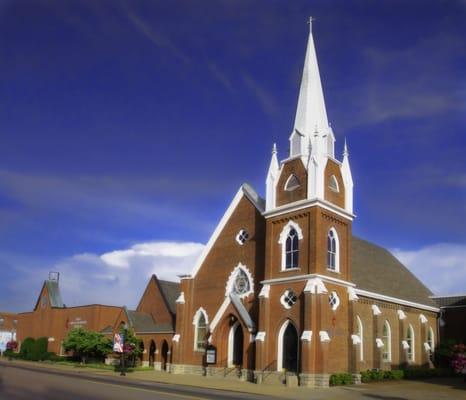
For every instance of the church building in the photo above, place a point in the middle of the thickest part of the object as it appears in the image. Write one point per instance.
(283, 290)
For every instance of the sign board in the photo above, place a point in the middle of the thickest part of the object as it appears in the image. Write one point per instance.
(211, 355)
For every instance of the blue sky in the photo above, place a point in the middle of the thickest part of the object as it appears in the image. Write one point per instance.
(129, 125)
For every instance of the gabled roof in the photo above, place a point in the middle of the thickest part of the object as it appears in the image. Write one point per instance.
(53, 292)
(170, 291)
(376, 270)
(450, 301)
(143, 322)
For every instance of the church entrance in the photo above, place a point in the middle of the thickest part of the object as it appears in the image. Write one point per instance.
(290, 343)
(164, 355)
(152, 353)
(235, 345)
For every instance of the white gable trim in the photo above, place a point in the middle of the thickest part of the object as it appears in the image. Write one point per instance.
(220, 313)
(218, 230)
(390, 299)
(324, 278)
(231, 281)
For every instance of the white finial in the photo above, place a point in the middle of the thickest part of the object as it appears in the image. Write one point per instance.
(345, 150)
(310, 23)
(274, 148)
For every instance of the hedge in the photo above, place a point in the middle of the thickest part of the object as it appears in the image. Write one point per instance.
(341, 379)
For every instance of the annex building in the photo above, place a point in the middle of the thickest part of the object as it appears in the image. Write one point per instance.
(284, 289)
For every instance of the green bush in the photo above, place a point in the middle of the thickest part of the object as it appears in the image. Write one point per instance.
(372, 375)
(394, 374)
(27, 348)
(10, 354)
(341, 379)
(421, 373)
(39, 350)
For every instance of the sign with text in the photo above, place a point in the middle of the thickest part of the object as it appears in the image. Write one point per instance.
(211, 355)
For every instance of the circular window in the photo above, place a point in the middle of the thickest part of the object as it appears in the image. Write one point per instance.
(288, 299)
(241, 283)
(334, 301)
(242, 236)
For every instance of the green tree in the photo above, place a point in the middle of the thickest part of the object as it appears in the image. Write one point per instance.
(87, 344)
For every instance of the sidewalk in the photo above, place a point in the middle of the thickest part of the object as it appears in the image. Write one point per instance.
(435, 389)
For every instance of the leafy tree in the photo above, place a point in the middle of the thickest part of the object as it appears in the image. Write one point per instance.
(86, 344)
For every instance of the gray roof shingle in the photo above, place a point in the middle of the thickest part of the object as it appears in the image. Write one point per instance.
(170, 291)
(144, 323)
(450, 301)
(375, 269)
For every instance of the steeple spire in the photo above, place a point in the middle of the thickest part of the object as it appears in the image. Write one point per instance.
(311, 113)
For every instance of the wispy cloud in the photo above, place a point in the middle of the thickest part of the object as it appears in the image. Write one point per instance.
(160, 40)
(264, 98)
(440, 266)
(220, 76)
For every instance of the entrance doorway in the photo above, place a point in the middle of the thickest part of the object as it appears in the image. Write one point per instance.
(235, 345)
(152, 349)
(164, 355)
(288, 348)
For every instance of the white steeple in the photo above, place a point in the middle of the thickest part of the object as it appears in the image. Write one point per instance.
(271, 181)
(347, 180)
(311, 114)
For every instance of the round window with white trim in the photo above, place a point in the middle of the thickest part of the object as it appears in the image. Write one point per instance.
(334, 301)
(242, 237)
(288, 299)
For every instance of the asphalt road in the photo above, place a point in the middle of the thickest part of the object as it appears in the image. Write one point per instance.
(22, 383)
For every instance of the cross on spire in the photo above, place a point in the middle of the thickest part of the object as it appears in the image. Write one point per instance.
(311, 18)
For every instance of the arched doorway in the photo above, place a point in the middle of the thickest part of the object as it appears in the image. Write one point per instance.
(164, 355)
(152, 349)
(235, 345)
(141, 349)
(288, 342)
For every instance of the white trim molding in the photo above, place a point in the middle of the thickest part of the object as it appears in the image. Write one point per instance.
(324, 337)
(264, 293)
(401, 314)
(422, 318)
(379, 343)
(176, 338)
(356, 339)
(396, 300)
(260, 336)
(306, 336)
(180, 299)
(198, 313)
(220, 313)
(405, 345)
(324, 278)
(427, 347)
(284, 237)
(376, 309)
(315, 286)
(352, 296)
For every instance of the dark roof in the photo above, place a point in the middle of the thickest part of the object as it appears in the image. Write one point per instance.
(144, 323)
(450, 301)
(54, 294)
(107, 330)
(375, 269)
(170, 291)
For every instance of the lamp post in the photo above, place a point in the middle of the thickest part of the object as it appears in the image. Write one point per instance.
(123, 332)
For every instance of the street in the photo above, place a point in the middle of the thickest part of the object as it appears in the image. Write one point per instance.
(21, 383)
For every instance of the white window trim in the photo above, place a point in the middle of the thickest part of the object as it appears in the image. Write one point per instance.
(281, 333)
(282, 240)
(387, 346)
(196, 317)
(282, 299)
(432, 345)
(285, 187)
(231, 281)
(334, 295)
(361, 338)
(337, 250)
(412, 344)
(334, 180)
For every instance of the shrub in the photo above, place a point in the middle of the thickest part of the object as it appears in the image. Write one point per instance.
(341, 379)
(421, 373)
(372, 375)
(39, 349)
(394, 374)
(27, 348)
(87, 344)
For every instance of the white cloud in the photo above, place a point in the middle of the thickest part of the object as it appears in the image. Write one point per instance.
(442, 266)
(114, 278)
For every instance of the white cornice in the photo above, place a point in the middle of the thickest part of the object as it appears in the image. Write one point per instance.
(325, 278)
(301, 204)
(390, 299)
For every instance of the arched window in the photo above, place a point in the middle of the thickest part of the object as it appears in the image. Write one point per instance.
(410, 341)
(430, 341)
(333, 256)
(333, 184)
(387, 342)
(292, 183)
(360, 333)
(200, 329)
(289, 239)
